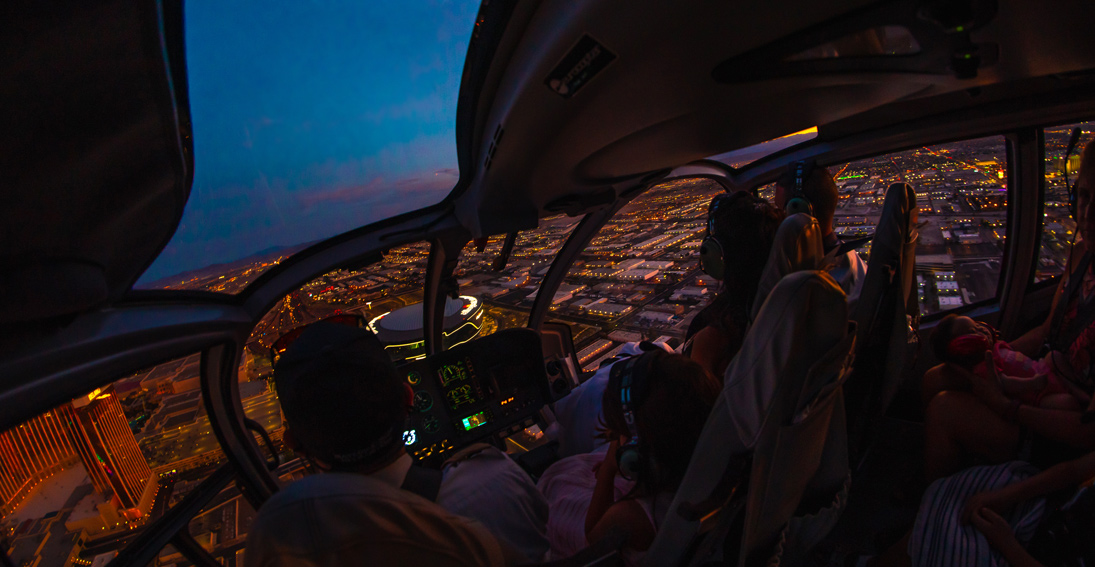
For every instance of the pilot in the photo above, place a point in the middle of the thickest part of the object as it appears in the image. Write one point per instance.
(808, 188)
(345, 408)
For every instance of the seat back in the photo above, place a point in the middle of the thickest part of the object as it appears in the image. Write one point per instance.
(797, 246)
(886, 306)
(779, 399)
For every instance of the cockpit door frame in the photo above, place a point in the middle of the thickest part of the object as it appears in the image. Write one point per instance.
(1026, 191)
(220, 394)
(440, 283)
(589, 226)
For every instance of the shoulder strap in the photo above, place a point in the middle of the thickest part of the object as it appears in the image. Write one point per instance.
(423, 482)
(1060, 339)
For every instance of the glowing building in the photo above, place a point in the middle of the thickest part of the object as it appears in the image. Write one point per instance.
(92, 429)
(102, 437)
(29, 454)
(401, 330)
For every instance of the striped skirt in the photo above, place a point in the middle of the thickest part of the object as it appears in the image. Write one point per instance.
(939, 538)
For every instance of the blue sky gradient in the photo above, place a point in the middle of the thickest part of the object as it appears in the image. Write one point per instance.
(315, 118)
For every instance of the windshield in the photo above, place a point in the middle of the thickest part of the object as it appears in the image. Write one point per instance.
(311, 119)
(744, 156)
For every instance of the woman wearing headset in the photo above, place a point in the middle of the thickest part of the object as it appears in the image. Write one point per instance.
(971, 419)
(655, 409)
(740, 232)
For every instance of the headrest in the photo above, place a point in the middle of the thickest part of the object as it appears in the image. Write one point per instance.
(803, 318)
(893, 241)
(797, 247)
(770, 381)
(898, 213)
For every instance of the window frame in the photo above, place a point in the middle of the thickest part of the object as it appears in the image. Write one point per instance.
(1007, 137)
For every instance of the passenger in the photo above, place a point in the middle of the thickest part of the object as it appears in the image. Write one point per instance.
(805, 185)
(963, 342)
(1001, 515)
(740, 232)
(655, 407)
(982, 423)
(345, 410)
(579, 414)
(742, 228)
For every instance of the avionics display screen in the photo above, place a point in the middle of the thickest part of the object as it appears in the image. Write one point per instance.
(475, 420)
(461, 396)
(455, 372)
(460, 385)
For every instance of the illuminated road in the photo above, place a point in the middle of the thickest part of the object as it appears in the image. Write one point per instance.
(197, 438)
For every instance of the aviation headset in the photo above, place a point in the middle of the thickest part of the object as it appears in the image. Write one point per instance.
(630, 379)
(799, 203)
(712, 251)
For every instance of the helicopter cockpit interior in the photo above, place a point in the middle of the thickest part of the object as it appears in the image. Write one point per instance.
(506, 193)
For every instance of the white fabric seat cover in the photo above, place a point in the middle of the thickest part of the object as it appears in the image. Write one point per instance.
(784, 368)
(797, 247)
(886, 305)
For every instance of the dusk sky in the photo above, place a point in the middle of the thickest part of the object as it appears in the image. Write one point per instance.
(315, 118)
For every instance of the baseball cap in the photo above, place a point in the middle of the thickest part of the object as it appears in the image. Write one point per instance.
(341, 394)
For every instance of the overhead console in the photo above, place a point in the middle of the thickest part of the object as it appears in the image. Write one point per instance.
(492, 386)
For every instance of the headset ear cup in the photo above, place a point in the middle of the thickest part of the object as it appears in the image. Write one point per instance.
(712, 261)
(629, 462)
(798, 205)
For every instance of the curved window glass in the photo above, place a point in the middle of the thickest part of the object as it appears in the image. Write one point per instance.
(744, 156)
(962, 200)
(310, 120)
(507, 293)
(77, 482)
(639, 278)
(1058, 226)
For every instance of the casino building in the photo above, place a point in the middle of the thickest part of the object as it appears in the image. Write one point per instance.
(401, 330)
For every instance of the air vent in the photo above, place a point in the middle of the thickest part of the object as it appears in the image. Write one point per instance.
(497, 139)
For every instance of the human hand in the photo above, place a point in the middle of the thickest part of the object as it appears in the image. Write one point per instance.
(995, 529)
(608, 467)
(994, 500)
(987, 387)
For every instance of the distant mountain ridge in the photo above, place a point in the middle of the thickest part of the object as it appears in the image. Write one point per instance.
(222, 267)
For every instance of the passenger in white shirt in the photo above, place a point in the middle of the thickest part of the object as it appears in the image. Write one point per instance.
(812, 183)
(345, 408)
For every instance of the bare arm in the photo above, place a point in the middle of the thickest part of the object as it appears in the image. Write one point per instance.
(604, 492)
(1001, 537)
(1060, 425)
(709, 348)
(627, 515)
(1031, 342)
(1069, 474)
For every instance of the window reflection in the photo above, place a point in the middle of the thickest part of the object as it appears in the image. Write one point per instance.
(1058, 226)
(639, 278)
(961, 198)
(78, 481)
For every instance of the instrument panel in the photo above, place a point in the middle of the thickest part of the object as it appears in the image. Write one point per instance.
(472, 391)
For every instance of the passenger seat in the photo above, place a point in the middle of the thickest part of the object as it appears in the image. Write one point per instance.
(781, 404)
(797, 246)
(887, 315)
